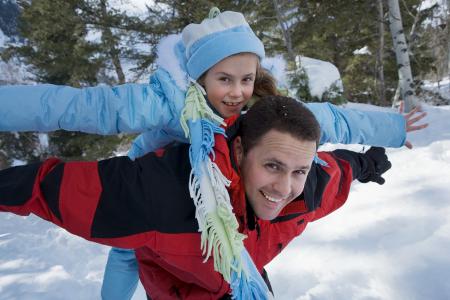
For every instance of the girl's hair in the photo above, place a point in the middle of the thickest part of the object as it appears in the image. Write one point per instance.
(265, 83)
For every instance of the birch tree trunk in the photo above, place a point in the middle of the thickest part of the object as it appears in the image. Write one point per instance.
(380, 54)
(401, 54)
(448, 41)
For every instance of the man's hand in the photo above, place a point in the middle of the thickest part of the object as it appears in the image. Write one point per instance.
(377, 165)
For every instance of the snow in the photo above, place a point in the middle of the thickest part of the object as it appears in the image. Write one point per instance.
(3, 39)
(363, 51)
(321, 74)
(277, 67)
(132, 7)
(442, 87)
(386, 242)
(93, 36)
(429, 3)
(439, 13)
(17, 162)
(43, 140)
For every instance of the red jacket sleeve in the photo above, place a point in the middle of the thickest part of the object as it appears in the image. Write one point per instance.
(338, 186)
(66, 194)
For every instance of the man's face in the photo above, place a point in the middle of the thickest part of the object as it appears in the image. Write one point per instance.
(274, 171)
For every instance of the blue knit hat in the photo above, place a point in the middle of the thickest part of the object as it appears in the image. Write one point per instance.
(216, 38)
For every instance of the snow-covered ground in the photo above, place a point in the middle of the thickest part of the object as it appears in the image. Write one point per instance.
(442, 87)
(387, 242)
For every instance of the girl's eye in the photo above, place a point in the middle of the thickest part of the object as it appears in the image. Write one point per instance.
(224, 79)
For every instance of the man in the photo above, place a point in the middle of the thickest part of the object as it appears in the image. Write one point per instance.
(276, 190)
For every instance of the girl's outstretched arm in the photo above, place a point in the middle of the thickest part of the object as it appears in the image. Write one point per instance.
(101, 109)
(412, 117)
(375, 128)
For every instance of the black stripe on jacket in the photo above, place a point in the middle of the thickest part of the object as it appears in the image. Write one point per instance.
(151, 193)
(16, 184)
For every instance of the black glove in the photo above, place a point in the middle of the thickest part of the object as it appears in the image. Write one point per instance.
(377, 164)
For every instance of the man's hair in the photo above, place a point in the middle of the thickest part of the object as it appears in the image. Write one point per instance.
(280, 113)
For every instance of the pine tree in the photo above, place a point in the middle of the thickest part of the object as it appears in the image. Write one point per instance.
(56, 42)
(23, 146)
(119, 35)
(58, 50)
(174, 15)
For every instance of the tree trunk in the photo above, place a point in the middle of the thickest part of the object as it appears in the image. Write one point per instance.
(3, 161)
(448, 41)
(401, 54)
(380, 54)
(111, 45)
(285, 30)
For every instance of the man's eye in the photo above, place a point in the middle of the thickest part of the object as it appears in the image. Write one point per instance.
(300, 172)
(272, 167)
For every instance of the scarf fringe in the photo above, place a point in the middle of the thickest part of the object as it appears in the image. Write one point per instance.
(250, 284)
(199, 153)
(217, 223)
(196, 107)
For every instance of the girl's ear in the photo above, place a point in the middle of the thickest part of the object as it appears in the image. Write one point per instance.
(238, 150)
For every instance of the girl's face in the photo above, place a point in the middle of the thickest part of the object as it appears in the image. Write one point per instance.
(229, 83)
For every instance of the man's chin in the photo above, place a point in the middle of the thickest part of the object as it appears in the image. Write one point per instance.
(266, 216)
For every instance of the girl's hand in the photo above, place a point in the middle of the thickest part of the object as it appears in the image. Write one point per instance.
(411, 119)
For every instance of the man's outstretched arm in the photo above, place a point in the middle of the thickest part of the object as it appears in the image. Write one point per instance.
(327, 187)
(104, 201)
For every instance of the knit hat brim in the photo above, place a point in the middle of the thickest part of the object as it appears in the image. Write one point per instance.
(209, 50)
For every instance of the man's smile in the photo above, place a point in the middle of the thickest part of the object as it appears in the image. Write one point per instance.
(272, 199)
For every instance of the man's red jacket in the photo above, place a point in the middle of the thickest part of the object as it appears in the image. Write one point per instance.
(145, 205)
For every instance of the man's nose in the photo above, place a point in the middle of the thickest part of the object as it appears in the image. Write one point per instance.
(282, 186)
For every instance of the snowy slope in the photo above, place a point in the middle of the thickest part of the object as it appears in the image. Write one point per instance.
(387, 242)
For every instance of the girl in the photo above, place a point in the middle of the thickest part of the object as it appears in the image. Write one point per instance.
(221, 55)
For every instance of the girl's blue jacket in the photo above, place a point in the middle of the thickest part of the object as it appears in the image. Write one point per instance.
(154, 109)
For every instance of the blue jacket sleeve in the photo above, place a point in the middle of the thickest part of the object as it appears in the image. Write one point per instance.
(338, 125)
(349, 126)
(153, 140)
(102, 109)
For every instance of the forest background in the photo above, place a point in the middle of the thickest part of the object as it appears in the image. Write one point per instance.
(90, 42)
